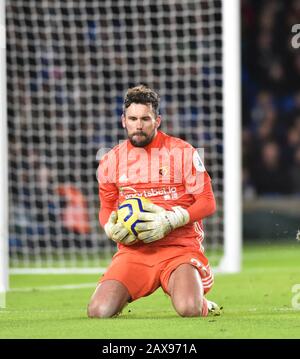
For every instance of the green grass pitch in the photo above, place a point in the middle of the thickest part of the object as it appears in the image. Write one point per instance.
(257, 304)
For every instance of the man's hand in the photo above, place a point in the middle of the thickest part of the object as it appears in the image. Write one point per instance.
(159, 222)
(117, 232)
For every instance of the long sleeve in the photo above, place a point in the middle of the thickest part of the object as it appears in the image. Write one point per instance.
(107, 203)
(198, 183)
(108, 191)
(205, 204)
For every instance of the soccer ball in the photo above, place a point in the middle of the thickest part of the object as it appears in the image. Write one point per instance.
(128, 212)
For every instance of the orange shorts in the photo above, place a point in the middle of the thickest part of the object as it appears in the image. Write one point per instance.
(144, 270)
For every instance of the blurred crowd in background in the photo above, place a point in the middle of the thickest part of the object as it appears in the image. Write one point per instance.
(62, 73)
(271, 98)
(68, 67)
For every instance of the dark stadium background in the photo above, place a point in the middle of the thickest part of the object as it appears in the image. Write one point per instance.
(271, 119)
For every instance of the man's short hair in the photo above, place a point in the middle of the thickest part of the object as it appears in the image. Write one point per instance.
(144, 95)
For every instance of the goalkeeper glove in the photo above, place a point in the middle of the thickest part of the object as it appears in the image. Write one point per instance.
(158, 222)
(117, 232)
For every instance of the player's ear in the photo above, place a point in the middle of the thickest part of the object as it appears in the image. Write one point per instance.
(123, 120)
(158, 121)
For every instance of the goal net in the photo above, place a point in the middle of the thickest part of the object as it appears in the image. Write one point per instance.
(69, 64)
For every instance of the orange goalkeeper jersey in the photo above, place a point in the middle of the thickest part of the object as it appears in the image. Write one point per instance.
(169, 172)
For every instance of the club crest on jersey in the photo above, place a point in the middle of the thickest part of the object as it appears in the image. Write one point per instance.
(163, 171)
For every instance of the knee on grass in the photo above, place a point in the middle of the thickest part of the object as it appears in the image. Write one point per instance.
(189, 308)
(97, 310)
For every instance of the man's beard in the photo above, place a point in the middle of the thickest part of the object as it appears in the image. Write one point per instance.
(144, 141)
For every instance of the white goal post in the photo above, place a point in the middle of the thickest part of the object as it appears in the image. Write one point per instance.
(231, 261)
(68, 66)
(3, 161)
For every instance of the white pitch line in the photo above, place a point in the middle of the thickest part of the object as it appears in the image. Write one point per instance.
(46, 271)
(54, 287)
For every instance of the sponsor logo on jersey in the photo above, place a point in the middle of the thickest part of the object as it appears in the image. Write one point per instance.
(167, 192)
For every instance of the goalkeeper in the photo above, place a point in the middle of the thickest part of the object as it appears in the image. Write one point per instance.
(168, 252)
